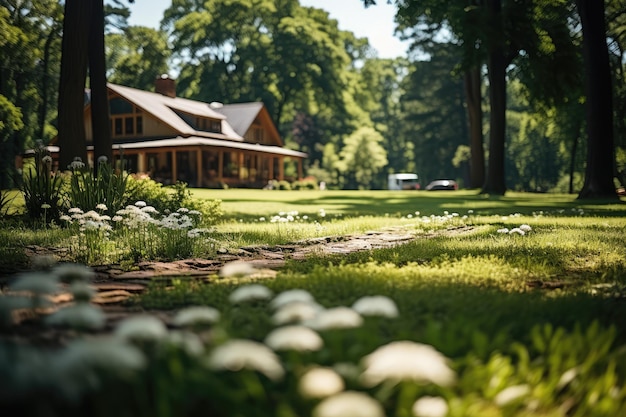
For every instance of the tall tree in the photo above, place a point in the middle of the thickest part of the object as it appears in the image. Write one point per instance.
(75, 46)
(600, 168)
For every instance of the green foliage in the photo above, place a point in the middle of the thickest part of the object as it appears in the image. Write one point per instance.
(89, 187)
(362, 157)
(306, 184)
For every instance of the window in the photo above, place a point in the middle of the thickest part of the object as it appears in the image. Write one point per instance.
(126, 119)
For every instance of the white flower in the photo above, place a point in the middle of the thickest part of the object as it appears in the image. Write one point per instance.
(320, 383)
(82, 291)
(377, 305)
(430, 407)
(75, 210)
(297, 338)
(66, 218)
(518, 231)
(238, 354)
(36, 282)
(291, 296)
(196, 315)
(297, 311)
(76, 164)
(183, 210)
(406, 360)
(140, 204)
(76, 365)
(525, 228)
(78, 316)
(237, 269)
(349, 404)
(187, 341)
(504, 230)
(68, 272)
(102, 159)
(149, 209)
(141, 328)
(117, 218)
(46, 206)
(46, 159)
(252, 292)
(511, 394)
(335, 318)
(102, 207)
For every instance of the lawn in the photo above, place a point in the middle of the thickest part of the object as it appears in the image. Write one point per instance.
(509, 306)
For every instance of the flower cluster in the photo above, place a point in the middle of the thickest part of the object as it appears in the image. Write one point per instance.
(521, 230)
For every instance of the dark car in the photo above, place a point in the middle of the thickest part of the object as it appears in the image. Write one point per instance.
(442, 185)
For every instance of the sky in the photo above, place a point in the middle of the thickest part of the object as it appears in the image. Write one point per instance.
(375, 23)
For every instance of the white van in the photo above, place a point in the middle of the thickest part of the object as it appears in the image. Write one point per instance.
(403, 181)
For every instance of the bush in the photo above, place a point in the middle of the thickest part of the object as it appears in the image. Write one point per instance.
(282, 185)
(89, 188)
(309, 184)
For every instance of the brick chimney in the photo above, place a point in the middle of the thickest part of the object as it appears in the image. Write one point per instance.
(165, 85)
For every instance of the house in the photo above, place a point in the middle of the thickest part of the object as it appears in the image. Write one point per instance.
(205, 145)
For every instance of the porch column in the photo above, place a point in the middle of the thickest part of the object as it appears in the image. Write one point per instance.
(240, 163)
(141, 162)
(271, 168)
(299, 168)
(220, 165)
(174, 167)
(281, 168)
(199, 167)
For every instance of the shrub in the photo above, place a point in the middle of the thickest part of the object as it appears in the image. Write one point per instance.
(309, 184)
(105, 186)
(42, 189)
(282, 185)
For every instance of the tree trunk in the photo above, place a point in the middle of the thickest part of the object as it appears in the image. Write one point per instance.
(100, 121)
(72, 81)
(600, 167)
(473, 99)
(495, 182)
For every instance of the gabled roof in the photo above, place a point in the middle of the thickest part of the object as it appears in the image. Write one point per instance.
(164, 108)
(241, 115)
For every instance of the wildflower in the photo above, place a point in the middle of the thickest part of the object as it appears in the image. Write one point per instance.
(76, 364)
(46, 206)
(297, 338)
(43, 261)
(525, 228)
(117, 218)
(504, 230)
(46, 159)
(322, 213)
(335, 318)
(252, 292)
(237, 269)
(187, 341)
(377, 305)
(430, 407)
(75, 210)
(77, 163)
(183, 210)
(102, 159)
(68, 272)
(140, 204)
(320, 382)
(141, 328)
(81, 291)
(349, 404)
(196, 315)
(238, 354)
(406, 360)
(82, 316)
(518, 231)
(36, 282)
(149, 209)
(291, 296)
(511, 394)
(297, 311)
(66, 218)
(102, 207)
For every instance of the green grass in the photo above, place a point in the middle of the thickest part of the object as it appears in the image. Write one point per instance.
(543, 312)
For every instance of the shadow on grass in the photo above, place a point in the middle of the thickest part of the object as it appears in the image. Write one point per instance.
(240, 203)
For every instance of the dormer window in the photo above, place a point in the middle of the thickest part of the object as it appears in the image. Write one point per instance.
(204, 124)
